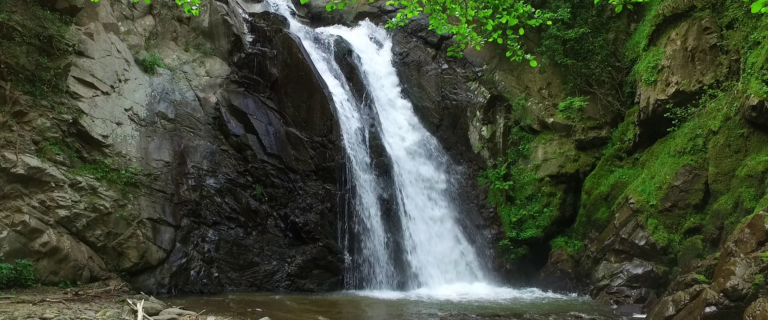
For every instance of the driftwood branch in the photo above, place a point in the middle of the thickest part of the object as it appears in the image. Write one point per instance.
(51, 300)
(138, 306)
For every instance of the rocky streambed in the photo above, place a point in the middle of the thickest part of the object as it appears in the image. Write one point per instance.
(109, 300)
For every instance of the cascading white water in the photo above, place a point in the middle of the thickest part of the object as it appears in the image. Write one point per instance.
(376, 266)
(442, 263)
(436, 250)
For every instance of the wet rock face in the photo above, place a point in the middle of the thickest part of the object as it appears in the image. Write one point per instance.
(561, 274)
(691, 61)
(235, 165)
(756, 111)
(259, 208)
(687, 189)
(735, 285)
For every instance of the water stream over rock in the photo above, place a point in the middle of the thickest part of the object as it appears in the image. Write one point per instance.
(437, 260)
(436, 252)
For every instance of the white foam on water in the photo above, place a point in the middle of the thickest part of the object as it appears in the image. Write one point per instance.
(466, 292)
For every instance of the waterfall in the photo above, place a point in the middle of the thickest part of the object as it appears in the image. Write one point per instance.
(435, 250)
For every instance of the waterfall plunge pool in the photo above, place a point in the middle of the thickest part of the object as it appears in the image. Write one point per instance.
(434, 246)
(457, 301)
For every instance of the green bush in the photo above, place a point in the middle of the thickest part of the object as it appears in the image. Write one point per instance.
(759, 280)
(23, 274)
(572, 108)
(151, 62)
(647, 68)
(109, 173)
(33, 44)
(526, 206)
(567, 243)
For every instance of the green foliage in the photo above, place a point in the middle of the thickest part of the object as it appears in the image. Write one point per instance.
(647, 68)
(572, 108)
(53, 148)
(111, 174)
(526, 207)
(23, 274)
(472, 23)
(66, 284)
(511, 251)
(639, 40)
(258, 191)
(702, 278)
(681, 114)
(661, 235)
(571, 245)
(690, 249)
(759, 6)
(607, 183)
(678, 115)
(764, 256)
(583, 40)
(620, 4)
(33, 45)
(151, 62)
(759, 280)
(190, 6)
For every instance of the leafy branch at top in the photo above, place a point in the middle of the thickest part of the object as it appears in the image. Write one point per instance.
(473, 23)
(759, 6)
(190, 6)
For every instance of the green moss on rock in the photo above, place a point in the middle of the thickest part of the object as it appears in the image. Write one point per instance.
(34, 45)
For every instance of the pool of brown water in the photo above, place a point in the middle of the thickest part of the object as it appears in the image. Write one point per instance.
(390, 306)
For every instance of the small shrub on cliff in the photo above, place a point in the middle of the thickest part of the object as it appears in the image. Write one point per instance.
(759, 280)
(703, 279)
(151, 62)
(647, 68)
(679, 114)
(22, 274)
(111, 174)
(525, 206)
(572, 108)
(571, 245)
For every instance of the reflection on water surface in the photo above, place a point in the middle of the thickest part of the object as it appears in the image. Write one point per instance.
(390, 305)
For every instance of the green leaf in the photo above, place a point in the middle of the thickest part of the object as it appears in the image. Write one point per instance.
(509, 53)
(521, 31)
(549, 23)
(533, 63)
(499, 41)
(342, 5)
(618, 8)
(757, 6)
(330, 7)
(304, 1)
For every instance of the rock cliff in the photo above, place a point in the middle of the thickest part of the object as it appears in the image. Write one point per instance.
(219, 168)
(197, 154)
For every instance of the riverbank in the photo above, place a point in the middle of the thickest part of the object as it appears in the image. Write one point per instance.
(110, 300)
